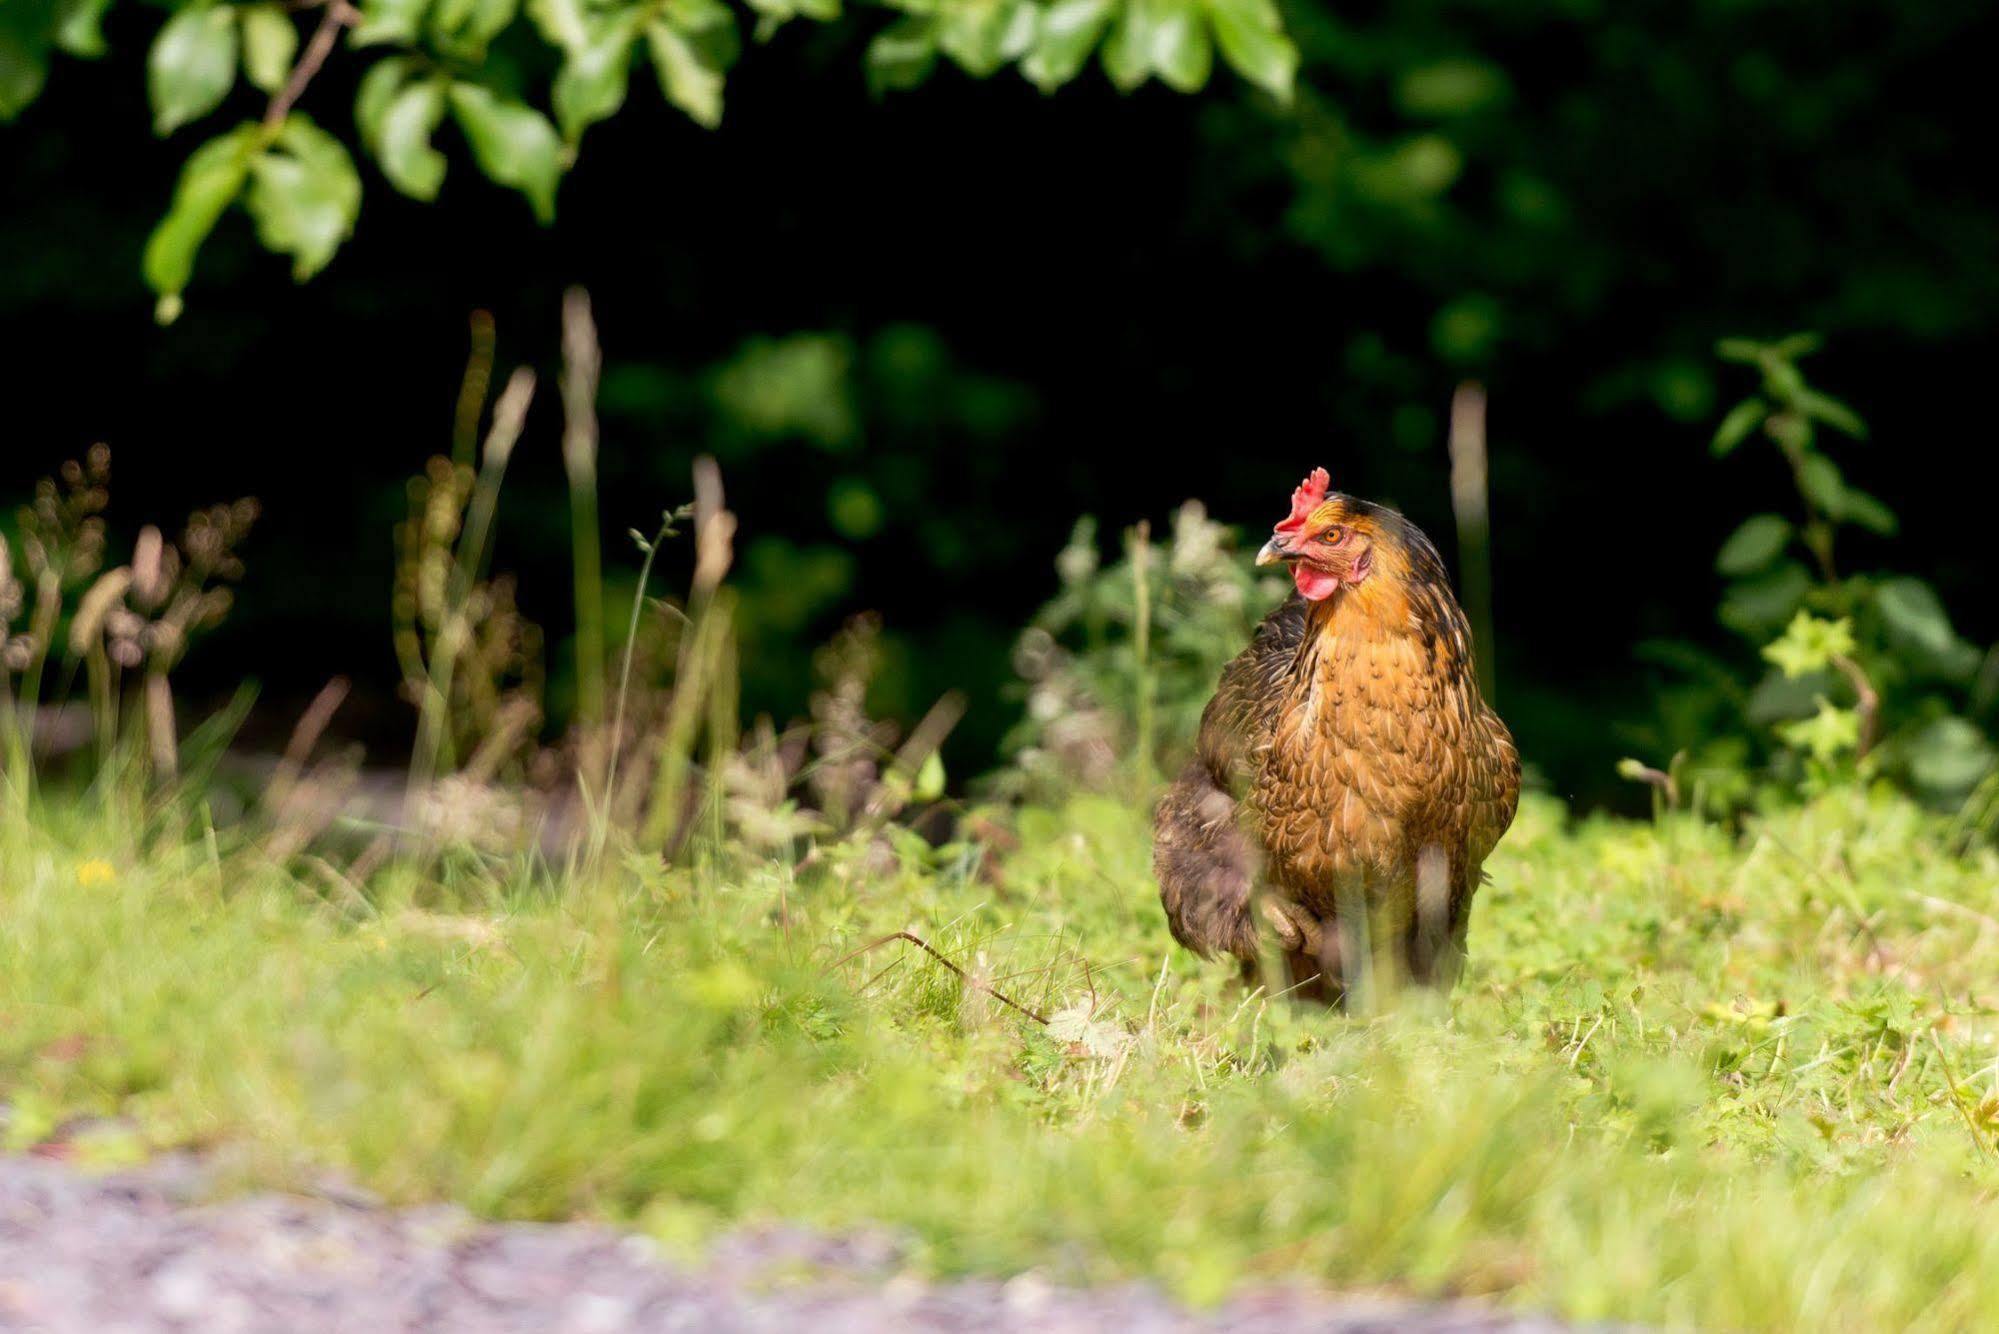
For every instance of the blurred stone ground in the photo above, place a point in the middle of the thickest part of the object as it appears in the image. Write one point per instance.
(147, 1250)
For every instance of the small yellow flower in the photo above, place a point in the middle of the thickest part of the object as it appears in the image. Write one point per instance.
(96, 871)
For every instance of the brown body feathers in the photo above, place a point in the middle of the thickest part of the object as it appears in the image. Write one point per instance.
(1347, 764)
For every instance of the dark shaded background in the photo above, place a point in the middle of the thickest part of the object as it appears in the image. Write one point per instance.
(1088, 303)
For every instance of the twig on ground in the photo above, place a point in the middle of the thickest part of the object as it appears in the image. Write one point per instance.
(962, 975)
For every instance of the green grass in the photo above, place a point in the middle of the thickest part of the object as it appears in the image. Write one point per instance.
(1690, 1078)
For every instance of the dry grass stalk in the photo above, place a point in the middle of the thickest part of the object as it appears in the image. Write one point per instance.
(582, 368)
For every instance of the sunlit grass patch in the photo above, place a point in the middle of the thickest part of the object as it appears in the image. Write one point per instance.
(1690, 1077)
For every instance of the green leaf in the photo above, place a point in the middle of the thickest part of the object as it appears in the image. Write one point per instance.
(402, 144)
(591, 84)
(512, 142)
(1068, 32)
(902, 54)
(1760, 540)
(465, 28)
(392, 21)
(1824, 486)
(690, 66)
(304, 195)
(1127, 53)
(379, 86)
(1830, 411)
(1914, 614)
(270, 42)
(1251, 36)
(1948, 757)
(1777, 698)
(24, 59)
(1182, 53)
(191, 65)
(79, 27)
(210, 181)
(1446, 88)
(1857, 506)
(1759, 607)
(560, 21)
(1743, 418)
(780, 11)
(974, 33)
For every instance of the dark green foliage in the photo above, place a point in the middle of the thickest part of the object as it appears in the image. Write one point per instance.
(475, 59)
(1862, 668)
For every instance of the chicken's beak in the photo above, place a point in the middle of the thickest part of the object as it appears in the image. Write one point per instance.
(1271, 553)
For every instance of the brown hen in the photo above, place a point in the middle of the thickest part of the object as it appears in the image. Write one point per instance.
(1348, 771)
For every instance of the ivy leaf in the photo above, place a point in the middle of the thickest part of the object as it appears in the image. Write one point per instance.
(304, 195)
(1825, 735)
(402, 144)
(902, 54)
(270, 42)
(1810, 644)
(1760, 540)
(1251, 36)
(191, 65)
(591, 84)
(1083, 1035)
(512, 142)
(1743, 418)
(1068, 32)
(210, 181)
(690, 65)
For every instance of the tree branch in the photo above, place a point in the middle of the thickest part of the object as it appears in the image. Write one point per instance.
(339, 14)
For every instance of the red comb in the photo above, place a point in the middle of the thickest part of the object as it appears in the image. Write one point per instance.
(1306, 499)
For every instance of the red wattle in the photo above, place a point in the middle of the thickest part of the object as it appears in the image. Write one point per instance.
(1314, 585)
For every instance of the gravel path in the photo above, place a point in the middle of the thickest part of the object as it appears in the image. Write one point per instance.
(141, 1251)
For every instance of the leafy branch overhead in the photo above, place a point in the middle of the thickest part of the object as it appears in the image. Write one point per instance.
(522, 83)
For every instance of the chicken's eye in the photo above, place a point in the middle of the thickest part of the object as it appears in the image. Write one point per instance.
(1333, 535)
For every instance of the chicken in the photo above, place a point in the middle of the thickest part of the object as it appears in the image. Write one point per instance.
(1348, 772)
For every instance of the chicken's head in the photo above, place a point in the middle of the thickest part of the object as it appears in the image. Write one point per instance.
(1327, 540)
